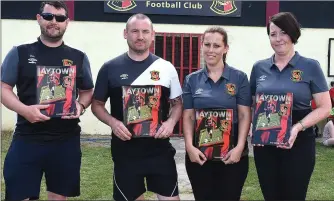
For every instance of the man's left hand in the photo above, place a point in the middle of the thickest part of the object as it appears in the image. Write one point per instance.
(165, 130)
(79, 110)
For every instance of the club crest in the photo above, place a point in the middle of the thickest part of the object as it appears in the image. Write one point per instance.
(230, 88)
(122, 6)
(223, 7)
(155, 75)
(296, 75)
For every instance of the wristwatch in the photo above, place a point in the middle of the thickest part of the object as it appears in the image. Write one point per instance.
(83, 108)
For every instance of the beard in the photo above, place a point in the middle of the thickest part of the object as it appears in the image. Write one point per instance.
(52, 35)
(136, 50)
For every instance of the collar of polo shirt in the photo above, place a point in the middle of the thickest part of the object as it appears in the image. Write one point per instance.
(292, 62)
(225, 75)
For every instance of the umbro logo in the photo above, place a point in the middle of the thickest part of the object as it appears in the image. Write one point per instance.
(199, 91)
(124, 76)
(32, 59)
(262, 78)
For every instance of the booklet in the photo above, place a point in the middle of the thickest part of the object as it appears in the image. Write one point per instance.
(214, 132)
(56, 86)
(272, 119)
(142, 109)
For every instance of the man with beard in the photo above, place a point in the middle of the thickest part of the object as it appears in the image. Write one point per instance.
(42, 144)
(137, 159)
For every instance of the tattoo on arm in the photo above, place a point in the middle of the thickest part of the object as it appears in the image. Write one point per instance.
(176, 100)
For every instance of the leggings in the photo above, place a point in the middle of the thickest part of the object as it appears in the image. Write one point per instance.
(217, 181)
(285, 174)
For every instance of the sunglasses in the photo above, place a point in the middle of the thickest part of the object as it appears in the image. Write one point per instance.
(50, 16)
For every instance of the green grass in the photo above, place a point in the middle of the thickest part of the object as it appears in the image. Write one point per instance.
(322, 181)
(251, 189)
(97, 172)
(321, 186)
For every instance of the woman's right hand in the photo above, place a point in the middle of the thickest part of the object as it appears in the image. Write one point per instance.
(195, 155)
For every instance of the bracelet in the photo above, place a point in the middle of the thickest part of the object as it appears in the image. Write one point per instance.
(83, 108)
(303, 127)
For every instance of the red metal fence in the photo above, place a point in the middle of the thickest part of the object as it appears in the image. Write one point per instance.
(183, 50)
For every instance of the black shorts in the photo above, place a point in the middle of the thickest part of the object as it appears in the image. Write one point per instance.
(160, 173)
(26, 162)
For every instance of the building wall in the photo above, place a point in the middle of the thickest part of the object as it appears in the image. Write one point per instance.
(311, 14)
(104, 40)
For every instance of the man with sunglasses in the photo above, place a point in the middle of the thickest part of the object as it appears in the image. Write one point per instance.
(44, 144)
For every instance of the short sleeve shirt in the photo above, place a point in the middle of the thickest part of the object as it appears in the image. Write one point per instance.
(231, 90)
(19, 69)
(123, 71)
(302, 76)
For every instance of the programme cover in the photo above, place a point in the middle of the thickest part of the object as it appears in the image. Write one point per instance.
(272, 119)
(56, 86)
(142, 109)
(214, 132)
